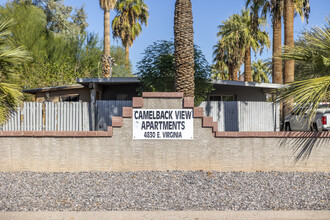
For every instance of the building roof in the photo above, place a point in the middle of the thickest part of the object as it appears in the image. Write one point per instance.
(134, 80)
(109, 81)
(248, 84)
(55, 88)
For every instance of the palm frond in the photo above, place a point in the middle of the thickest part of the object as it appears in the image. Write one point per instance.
(307, 94)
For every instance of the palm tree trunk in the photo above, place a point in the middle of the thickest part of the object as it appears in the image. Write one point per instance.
(106, 46)
(184, 48)
(127, 56)
(247, 65)
(289, 42)
(235, 68)
(277, 50)
(230, 70)
(288, 39)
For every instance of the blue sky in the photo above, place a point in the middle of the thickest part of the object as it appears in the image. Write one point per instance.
(208, 14)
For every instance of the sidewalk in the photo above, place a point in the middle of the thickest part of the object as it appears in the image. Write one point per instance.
(171, 215)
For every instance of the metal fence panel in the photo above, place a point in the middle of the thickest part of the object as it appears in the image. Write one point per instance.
(49, 116)
(75, 116)
(243, 115)
(106, 109)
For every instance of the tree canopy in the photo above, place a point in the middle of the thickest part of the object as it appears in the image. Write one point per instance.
(236, 39)
(157, 72)
(127, 25)
(56, 38)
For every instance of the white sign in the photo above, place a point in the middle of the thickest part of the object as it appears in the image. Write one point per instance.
(171, 124)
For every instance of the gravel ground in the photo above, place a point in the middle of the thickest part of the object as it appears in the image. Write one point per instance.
(175, 190)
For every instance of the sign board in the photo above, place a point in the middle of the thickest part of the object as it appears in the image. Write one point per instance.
(173, 124)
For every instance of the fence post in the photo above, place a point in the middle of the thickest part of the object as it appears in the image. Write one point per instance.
(93, 106)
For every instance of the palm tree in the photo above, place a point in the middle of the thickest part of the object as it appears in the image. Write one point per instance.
(275, 8)
(184, 48)
(260, 72)
(131, 14)
(289, 9)
(230, 49)
(11, 56)
(254, 39)
(313, 51)
(237, 33)
(106, 5)
(290, 6)
(221, 70)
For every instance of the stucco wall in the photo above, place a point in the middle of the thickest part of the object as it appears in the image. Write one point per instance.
(117, 151)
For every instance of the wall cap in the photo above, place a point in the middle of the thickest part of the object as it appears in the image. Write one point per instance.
(162, 94)
(273, 134)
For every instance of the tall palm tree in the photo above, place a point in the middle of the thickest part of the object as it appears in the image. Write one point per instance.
(289, 9)
(106, 5)
(275, 8)
(288, 39)
(131, 14)
(253, 38)
(11, 56)
(184, 48)
(260, 72)
(236, 33)
(290, 6)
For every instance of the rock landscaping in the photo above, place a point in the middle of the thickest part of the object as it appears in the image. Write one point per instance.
(172, 190)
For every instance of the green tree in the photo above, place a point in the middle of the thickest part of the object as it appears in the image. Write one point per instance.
(184, 48)
(127, 25)
(11, 57)
(57, 59)
(121, 68)
(314, 54)
(106, 5)
(157, 70)
(237, 38)
(61, 19)
(260, 72)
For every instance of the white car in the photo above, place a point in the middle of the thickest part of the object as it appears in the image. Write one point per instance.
(301, 122)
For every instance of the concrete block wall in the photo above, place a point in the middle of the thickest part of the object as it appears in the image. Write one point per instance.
(116, 150)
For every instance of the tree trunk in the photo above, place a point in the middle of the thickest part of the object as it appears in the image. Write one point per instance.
(247, 65)
(288, 39)
(289, 42)
(184, 48)
(106, 46)
(230, 71)
(127, 56)
(235, 68)
(277, 50)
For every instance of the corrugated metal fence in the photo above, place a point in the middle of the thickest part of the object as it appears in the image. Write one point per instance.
(75, 116)
(243, 115)
(106, 109)
(49, 116)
